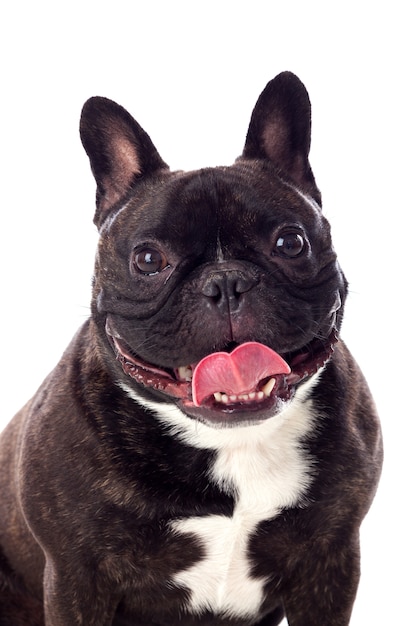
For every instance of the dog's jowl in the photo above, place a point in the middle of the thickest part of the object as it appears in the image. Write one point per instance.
(206, 449)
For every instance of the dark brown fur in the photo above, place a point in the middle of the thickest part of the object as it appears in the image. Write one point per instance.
(90, 481)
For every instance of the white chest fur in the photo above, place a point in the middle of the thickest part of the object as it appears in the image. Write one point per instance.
(265, 468)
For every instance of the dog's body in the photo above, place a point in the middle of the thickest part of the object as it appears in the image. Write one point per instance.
(206, 449)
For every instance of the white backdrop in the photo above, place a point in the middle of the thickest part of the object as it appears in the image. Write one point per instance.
(190, 73)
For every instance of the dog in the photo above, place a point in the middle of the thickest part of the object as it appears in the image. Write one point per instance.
(207, 447)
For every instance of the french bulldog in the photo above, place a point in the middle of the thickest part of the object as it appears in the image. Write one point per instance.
(206, 449)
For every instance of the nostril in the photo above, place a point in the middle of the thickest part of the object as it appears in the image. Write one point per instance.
(212, 289)
(243, 284)
(221, 286)
(226, 288)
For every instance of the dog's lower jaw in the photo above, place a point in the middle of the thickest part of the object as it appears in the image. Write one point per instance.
(236, 414)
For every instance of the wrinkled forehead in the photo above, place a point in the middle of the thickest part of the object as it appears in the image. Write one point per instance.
(215, 203)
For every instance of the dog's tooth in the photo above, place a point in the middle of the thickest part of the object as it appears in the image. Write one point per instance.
(185, 372)
(245, 397)
(267, 389)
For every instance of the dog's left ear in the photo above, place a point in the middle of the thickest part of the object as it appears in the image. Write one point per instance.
(120, 152)
(280, 131)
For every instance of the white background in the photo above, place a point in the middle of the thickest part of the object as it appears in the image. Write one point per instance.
(190, 73)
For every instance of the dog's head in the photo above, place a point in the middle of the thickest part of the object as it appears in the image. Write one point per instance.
(217, 289)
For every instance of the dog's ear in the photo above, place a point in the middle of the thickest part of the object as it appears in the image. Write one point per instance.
(120, 152)
(280, 130)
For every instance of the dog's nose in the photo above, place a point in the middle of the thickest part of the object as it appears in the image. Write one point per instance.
(226, 288)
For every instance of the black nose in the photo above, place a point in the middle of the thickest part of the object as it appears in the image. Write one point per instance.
(226, 289)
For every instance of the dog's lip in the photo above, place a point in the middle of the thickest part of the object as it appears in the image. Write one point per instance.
(304, 363)
(145, 373)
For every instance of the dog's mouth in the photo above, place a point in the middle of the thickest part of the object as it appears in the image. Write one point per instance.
(248, 382)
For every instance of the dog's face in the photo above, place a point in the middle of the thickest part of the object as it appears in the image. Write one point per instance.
(219, 289)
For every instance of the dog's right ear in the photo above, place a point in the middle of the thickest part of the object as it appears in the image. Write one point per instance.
(120, 152)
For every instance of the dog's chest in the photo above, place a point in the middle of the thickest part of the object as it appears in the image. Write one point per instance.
(267, 471)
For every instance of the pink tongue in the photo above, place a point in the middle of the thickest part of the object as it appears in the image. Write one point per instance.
(236, 373)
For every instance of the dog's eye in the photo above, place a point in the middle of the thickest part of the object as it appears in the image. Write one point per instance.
(149, 261)
(290, 244)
